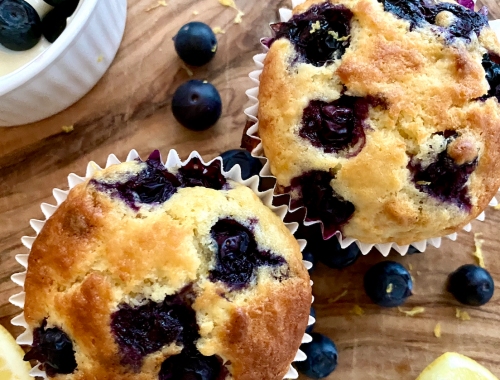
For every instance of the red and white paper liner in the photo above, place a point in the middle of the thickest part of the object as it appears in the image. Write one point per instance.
(258, 152)
(173, 161)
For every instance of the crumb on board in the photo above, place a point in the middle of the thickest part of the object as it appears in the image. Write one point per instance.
(462, 315)
(416, 310)
(230, 3)
(67, 128)
(418, 273)
(100, 59)
(413, 279)
(357, 310)
(437, 330)
(478, 254)
(196, 13)
(218, 30)
(410, 266)
(159, 3)
(205, 81)
(497, 207)
(389, 289)
(214, 49)
(333, 300)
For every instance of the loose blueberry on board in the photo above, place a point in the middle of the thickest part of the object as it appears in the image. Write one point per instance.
(196, 43)
(471, 285)
(53, 348)
(197, 105)
(321, 359)
(310, 328)
(334, 256)
(20, 25)
(249, 165)
(388, 284)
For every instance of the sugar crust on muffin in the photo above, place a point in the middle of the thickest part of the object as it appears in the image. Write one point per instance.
(417, 90)
(101, 255)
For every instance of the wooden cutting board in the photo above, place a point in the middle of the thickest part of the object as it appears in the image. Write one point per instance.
(130, 108)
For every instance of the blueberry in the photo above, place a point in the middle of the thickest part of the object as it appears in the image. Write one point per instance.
(332, 255)
(197, 105)
(320, 35)
(54, 349)
(471, 285)
(196, 43)
(321, 201)
(491, 65)
(56, 3)
(321, 359)
(20, 25)
(444, 179)
(310, 328)
(54, 22)
(308, 255)
(238, 255)
(250, 166)
(388, 284)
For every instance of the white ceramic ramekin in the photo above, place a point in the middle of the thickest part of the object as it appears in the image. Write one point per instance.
(68, 69)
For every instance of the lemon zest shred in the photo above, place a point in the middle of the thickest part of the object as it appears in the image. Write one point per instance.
(462, 315)
(333, 300)
(416, 310)
(437, 330)
(357, 310)
(478, 254)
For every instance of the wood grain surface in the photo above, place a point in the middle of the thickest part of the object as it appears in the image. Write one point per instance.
(130, 108)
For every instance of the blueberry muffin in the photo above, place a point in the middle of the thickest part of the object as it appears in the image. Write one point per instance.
(148, 273)
(382, 118)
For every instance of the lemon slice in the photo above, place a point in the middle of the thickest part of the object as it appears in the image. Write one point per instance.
(12, 366)
(452, 366)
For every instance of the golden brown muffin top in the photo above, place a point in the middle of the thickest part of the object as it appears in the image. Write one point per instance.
(395, 135)
(144, 273)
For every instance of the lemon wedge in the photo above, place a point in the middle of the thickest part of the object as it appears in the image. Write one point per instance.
(452, 366)
(12, 366)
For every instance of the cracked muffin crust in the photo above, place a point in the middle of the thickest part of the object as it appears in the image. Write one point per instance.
(382, 118)
(148, 273)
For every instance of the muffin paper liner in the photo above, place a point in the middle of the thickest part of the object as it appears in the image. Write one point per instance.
(173, 161)
(258, 152)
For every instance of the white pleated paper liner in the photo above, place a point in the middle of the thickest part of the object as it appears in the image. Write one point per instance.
(252, 132)
(173, 161)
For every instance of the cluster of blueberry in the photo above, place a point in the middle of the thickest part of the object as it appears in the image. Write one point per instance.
(21, 27)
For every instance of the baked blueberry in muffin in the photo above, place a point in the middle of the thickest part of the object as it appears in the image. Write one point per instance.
(382, 118)
(148, 272)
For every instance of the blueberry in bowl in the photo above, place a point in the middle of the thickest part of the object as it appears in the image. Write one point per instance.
(388, 284)
(471, 285)
(197, 105)
(20, 25)
(196, 44)
(187, 261)
(322, 357)
(249, 165)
